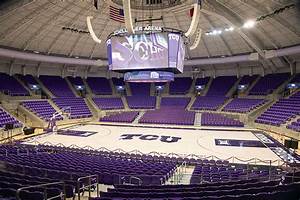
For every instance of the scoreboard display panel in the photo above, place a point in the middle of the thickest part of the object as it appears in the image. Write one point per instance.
(161, 51)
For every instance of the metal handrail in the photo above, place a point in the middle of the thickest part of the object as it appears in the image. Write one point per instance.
(154, 153)
(62, 195)
(89, 178)
(140, 182)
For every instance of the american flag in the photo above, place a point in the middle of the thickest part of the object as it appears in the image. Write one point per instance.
(116, 14)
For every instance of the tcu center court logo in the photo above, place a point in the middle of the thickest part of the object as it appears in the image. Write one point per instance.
(162, 138)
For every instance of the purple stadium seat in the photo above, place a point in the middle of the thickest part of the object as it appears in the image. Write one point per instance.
(208, 102)
(169, 115)
(177, 102)
(247, 80)
(180, 85)
(126, 117)
(281, 111)
(78, 107)
(221, 85)
(243, 105)
(202, 81)
(99, 85)
(10, 86)
(42, 108)
(141, 102)
(6, 118)
(57, 86)
(140, 89)
(109, 103)
(212, 119)
(267, 84)
(75, 80)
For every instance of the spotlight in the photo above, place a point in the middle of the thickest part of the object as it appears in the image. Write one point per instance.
(249, 24)
(229, 29)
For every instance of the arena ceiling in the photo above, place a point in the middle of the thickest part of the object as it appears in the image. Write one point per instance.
(37, 25)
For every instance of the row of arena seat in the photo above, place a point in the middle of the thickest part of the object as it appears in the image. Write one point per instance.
(246, 191)
(101, 86)
(281, 111)
(42, 108)
(6, 118)
(213, 119)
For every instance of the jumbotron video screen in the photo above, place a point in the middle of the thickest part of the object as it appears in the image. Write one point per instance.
(161, 51)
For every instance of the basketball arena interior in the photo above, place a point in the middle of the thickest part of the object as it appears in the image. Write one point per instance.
(149, 99)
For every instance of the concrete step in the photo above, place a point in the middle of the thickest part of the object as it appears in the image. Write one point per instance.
(226, 102)
(44, 88)
(181, 178)
(189, 106)
(204, 92)
(197, 121)
(71, 87)
(87, 87)
(158, 100)
(136, 121)
(25, 86)
(233, 88)
(128, 89)
(126, 107)
(252, 85)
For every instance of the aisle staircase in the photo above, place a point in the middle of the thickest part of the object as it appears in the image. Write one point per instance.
(136, 120)
(204, 92)
(44, 88)
(71, 87)
(197, 121)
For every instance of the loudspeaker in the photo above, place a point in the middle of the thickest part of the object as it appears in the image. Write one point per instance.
(9, 126)
(293, 144)
(28, 130)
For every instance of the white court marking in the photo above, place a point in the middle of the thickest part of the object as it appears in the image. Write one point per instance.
(198, 142)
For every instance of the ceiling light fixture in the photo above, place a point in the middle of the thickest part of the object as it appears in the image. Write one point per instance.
(249, 24)
(229, 29)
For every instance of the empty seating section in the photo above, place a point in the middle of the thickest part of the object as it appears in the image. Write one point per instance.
(43, 109)
(180, 85)
(281, 111)
(233, 190)
(140, 89)
(126, 117)
(294, 126)
(213, 119)
(27, 79)
(75, 80)
(221, 85)
(78, 107)
(168, 115)
(176, 102)
(141, 102)
(108, 103)
(57, 86)
(118, 81)
(267, 84)
(214, 171)
(247, 80)
(110, 167)
(208, 102)
(10, 86)
(202, 81)
(99, 85)
(243, 105)
(10, 182)
(6, 118)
